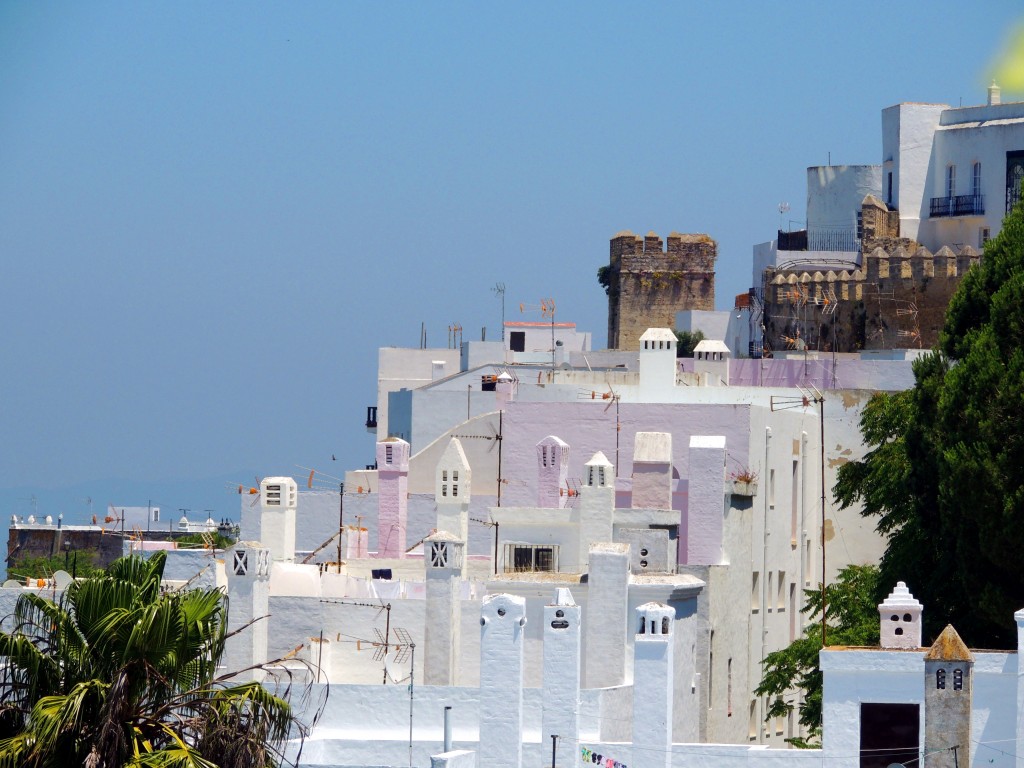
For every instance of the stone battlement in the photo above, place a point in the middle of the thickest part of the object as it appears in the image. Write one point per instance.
(649, 280)
(896, 298)
(879, 265)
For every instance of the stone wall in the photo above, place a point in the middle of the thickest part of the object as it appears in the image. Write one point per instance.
(648, 283)
(897, 299)
(103, 546)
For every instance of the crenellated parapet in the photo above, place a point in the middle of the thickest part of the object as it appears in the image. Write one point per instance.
(897, 297)
(878, 267)
(649, 280)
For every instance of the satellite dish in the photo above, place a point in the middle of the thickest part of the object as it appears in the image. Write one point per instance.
(11, 584)
(62, 579)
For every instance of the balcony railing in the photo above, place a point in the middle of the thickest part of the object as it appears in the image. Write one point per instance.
(835, 238)
(960, 205)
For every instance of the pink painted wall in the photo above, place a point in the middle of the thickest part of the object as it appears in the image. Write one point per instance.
(392, 514)
(588, 428)
(652, 486)
(891, 375)
(392, 497)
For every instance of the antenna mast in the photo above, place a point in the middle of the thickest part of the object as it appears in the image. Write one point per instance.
(499, 291)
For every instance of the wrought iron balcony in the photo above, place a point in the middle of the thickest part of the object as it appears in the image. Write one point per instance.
(960, 205)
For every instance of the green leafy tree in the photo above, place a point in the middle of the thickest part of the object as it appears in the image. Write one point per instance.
(943, 473)
(852, 617)
(118, 673)
(82, 562)
(686, 342)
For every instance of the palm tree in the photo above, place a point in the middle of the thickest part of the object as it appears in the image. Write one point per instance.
(118, 673)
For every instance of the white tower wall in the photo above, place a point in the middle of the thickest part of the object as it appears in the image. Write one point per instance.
(706, 502)
(278, 502)
(562, 676)
(444, 559)
(552, 472)
(502, 637)
(596, 504)
(248, 572)
(657, 364)
(606, 617)
(653, 680)
(452, 487)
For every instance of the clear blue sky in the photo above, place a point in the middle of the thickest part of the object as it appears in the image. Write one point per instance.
(212, 215)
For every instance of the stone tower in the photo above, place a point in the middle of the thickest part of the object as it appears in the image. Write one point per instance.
(647, 284)
(948, 668)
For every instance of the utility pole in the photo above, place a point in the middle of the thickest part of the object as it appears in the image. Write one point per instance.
(341, 520)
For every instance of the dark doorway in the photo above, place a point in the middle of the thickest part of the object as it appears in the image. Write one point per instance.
(517, 341)
(889, 734)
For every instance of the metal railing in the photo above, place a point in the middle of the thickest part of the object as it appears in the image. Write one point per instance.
(960, 205)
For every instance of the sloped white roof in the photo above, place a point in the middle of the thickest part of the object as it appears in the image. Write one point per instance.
(711, 345)
(454, 455)
(658, 334)
(899, 598)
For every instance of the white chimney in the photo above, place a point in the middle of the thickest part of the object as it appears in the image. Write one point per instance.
(994, 94)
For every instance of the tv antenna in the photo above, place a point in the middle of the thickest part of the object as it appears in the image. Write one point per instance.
(612, 397)
(783, 210)
(546, 309)
(382, 646)
(499, 291)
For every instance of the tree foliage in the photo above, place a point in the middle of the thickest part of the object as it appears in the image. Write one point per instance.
(118, 673)
(944, 473)
(852, 618)
(81, 562)
(686, 342)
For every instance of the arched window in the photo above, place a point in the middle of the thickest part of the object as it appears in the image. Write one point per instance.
(958, 679)
(940, 679)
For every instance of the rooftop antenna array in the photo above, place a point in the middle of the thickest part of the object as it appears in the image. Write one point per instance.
(495, 439)
(546, 309)
(326, 482)
(382, 646)
(499, 291)
(783, 210)
(612, 397)
(454, 336)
